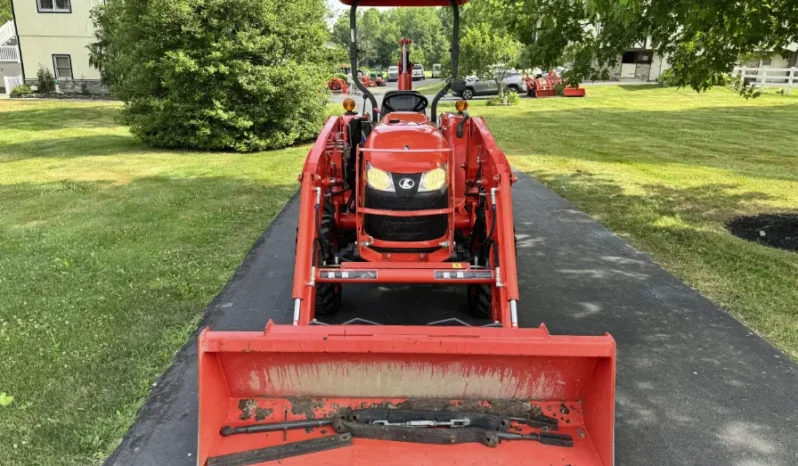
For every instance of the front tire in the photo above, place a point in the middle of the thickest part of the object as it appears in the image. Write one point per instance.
(468, 94)
(328, 295)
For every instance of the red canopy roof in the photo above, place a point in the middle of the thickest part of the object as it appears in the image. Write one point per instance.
(403, 2)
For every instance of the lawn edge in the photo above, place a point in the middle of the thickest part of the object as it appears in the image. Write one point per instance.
(162, 390)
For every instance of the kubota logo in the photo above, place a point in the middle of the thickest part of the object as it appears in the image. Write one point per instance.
(406, 183)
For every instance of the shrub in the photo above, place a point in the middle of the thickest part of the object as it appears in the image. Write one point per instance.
(723, 79)
(667, 78)
(343, 76)
(46, 82)
(20, 91)
(506, 99)
(214, 74)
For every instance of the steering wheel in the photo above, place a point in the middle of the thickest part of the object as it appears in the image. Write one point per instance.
(419, 105)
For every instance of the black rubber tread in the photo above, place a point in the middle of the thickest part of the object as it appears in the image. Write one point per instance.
(328, 295)
(480, 297)
(479, 300)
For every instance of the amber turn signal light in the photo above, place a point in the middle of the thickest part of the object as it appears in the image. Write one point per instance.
(461, 106)
(349, 105)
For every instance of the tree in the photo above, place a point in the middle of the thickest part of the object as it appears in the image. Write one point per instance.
(488, 53)
(702, 38)
(5, 11)
(216, 74)
(378, 34)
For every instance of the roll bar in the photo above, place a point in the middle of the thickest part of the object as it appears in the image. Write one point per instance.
(454, 50)
(455, 53)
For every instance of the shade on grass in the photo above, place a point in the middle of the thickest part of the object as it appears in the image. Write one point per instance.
(109, 252)
(667, 169)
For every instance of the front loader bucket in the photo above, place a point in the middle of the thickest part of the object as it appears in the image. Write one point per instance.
(291, 373)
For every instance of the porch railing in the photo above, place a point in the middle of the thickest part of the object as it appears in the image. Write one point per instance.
(9, 53)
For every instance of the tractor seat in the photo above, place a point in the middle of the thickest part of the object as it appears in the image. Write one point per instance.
(404, 101)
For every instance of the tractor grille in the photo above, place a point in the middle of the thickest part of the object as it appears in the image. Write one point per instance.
(424, 228)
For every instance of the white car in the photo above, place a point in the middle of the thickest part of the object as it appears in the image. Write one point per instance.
(418, 72)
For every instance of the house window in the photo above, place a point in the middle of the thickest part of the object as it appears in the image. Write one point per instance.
(54, 6)
(628, 57)
(63, 66)
(644, 57)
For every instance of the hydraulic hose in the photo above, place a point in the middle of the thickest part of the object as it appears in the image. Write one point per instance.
(353, 58)
(455, 53)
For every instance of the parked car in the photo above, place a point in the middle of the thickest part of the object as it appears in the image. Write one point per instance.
(436, 70)
(513, 82)
(418, 72)
(393, 74)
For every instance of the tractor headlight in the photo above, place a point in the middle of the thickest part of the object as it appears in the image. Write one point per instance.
(433, 180)
(379, 179)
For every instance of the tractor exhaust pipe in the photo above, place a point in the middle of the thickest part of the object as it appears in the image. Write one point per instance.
(353, 58)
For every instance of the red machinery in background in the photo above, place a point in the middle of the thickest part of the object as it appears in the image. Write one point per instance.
(405, 65)
(401, 194)
(547, 86)
(338, 85)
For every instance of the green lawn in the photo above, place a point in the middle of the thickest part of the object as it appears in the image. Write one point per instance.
(109, 252)
(666, 169)
(427, 88)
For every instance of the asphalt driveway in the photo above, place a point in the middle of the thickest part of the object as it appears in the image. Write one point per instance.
(694, 386)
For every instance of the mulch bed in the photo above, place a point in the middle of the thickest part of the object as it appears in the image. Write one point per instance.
(776, 230)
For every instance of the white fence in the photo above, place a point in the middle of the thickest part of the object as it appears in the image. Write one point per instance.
(11, 82)
(769, 77)
(9, 53)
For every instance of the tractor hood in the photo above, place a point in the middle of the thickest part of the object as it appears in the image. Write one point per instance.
(406, 142)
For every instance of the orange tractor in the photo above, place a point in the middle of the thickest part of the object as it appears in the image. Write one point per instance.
(545, 86)
(399, 194)
(338, 86)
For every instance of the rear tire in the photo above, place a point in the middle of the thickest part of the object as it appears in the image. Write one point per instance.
(468, 94)
(328, 295)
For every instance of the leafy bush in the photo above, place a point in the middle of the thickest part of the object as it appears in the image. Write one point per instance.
(343, 76)
(214, 74)
(46, 82)
(667, 78)
(506, 99)
(20, 91)
(722, 79)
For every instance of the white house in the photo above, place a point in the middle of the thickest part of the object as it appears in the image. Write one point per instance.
(54, 34)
